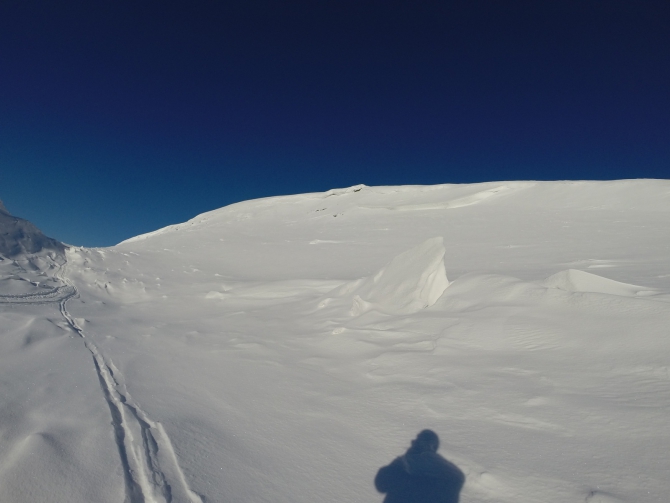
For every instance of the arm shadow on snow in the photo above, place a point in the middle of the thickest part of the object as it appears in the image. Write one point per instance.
(420, 475)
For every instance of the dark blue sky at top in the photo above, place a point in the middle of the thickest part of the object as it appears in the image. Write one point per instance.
(117, 118)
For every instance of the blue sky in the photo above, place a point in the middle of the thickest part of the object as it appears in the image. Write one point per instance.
(117, 118)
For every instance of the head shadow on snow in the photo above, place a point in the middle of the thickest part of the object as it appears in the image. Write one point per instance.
(420, 475)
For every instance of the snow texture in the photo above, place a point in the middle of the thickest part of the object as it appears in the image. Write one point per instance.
(285, 349)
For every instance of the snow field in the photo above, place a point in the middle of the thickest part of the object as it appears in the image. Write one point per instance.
(285, 349)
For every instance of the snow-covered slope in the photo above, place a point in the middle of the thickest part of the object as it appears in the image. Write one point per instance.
(28, 262)
(284, 349)
(20, 237)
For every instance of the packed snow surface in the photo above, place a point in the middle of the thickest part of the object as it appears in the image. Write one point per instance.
(284, 349)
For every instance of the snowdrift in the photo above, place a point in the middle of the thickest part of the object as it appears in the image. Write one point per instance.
(574, 280)
(410, 282)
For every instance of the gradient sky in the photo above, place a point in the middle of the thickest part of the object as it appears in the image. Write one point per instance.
(121, 117)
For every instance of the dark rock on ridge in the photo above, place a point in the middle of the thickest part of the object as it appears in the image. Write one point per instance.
(20, 237)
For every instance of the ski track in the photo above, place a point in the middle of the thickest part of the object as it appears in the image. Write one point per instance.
(58, 294)
(151, 471)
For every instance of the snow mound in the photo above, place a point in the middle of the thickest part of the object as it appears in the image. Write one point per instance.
(574, 280)
(410, 282)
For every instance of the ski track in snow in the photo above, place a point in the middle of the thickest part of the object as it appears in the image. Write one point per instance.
(151, 471)
(58, 294)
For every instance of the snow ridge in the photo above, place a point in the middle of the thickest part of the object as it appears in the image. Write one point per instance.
(151, 471)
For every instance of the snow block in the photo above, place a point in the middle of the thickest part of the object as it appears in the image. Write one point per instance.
(412, 281)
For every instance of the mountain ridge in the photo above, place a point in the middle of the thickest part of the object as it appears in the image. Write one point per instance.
(19, 236)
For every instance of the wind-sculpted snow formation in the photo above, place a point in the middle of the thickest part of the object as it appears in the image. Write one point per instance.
(412, 281)
(284, 349)
(573, 280)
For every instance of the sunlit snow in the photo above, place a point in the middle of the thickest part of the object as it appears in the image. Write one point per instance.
(284, 349)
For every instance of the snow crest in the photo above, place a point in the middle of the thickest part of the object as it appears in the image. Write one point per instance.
(410, 282)
(574, 280)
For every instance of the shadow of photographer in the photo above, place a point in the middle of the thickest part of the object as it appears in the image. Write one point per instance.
(421, 475)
